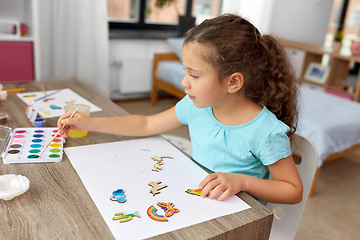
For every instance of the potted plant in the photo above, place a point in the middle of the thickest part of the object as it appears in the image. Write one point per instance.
(337, 44)
(185, 21)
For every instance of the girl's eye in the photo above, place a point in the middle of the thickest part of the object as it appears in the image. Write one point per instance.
(194, 76)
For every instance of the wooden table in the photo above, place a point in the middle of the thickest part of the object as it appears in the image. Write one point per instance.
(57, 205)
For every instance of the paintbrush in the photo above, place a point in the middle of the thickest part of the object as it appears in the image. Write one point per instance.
(47, 95)
(58, 132)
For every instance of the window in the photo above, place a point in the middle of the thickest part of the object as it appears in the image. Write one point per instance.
(143, 14)
(351, 22)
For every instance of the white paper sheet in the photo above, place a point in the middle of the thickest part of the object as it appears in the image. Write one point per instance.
(104, 168)
(60, 99)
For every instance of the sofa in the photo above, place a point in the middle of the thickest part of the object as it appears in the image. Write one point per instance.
(168, 71)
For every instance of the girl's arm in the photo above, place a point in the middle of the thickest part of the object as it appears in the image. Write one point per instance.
(132, 125)
(285, 188)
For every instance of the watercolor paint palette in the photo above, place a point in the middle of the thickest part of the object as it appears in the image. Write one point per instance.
(24, 145)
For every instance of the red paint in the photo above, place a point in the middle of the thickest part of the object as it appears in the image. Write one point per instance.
(20, 131)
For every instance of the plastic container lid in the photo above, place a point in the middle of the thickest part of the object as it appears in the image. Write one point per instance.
(12, 185)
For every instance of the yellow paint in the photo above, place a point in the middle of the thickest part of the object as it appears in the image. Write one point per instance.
(55, 145)
(46, 112)
(77, 134)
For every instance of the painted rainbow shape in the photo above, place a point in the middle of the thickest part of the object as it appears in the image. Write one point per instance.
(151, 212)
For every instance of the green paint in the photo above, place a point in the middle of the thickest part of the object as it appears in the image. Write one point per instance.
(55, 150)
(34, 151)
(54, 156)
(33, 156)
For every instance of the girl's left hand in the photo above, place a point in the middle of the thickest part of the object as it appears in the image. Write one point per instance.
(227, 184)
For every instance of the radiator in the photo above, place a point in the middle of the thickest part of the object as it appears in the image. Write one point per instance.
(135, 76)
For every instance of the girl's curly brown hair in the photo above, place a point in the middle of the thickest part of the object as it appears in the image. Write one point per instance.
(268, 74)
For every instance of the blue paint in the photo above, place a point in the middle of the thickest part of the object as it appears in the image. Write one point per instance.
(38, 135)
(39, 122)
(55, 107)
(36, 140)
(35, 145)
(119, 196)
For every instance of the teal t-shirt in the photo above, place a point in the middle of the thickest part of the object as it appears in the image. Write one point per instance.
(245, 149)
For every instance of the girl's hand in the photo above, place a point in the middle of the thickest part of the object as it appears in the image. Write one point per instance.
(79, 122)
(284, 188)
(227, 184)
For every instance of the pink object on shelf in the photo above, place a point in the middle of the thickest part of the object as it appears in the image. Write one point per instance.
(355, 48)
(24, 29)
(339, 94)
(16, 62)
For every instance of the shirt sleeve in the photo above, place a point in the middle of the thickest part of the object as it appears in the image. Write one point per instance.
(276, 145)
(183, 108)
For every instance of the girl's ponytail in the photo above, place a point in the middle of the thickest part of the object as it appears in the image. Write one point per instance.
(279, 91)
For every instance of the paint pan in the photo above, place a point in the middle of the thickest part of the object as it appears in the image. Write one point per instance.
(39, 122)
(23, 145)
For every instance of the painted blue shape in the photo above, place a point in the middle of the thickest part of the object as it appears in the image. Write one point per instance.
(36, 140)
(119, 196)
(55, 107)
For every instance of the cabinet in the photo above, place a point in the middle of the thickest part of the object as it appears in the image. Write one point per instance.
(338, 69)
(16, 62)
(19, 55)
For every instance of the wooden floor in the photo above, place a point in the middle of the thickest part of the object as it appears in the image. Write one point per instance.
(333, 212)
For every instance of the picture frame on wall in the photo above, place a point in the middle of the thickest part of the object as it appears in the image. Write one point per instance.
(316, 73)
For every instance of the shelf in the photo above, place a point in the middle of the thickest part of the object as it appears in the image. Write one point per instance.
(339, 67)
(23, 39)
(342, 91)
(339, 92)
(307, 47)
(314, 83)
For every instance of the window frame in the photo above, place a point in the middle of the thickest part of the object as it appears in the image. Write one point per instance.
(141, 25)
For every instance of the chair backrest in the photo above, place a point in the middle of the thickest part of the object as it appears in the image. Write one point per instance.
(180, 142)
(287, 217)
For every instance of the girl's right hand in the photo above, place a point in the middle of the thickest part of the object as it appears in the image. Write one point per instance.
(79, 122)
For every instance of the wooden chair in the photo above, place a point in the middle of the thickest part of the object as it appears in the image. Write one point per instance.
(160, 83)
(287, 217)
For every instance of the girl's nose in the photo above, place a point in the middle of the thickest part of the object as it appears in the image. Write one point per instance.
(185, 83)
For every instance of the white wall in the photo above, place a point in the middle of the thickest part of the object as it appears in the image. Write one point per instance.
(304, 21)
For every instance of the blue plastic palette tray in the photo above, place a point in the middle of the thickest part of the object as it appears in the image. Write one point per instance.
(23, 145)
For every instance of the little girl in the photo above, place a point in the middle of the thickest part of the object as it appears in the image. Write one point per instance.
(240, 108)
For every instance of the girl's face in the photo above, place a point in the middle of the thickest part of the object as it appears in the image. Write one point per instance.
(201, 81)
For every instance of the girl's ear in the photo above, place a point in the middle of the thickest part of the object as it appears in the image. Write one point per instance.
(236, 81)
